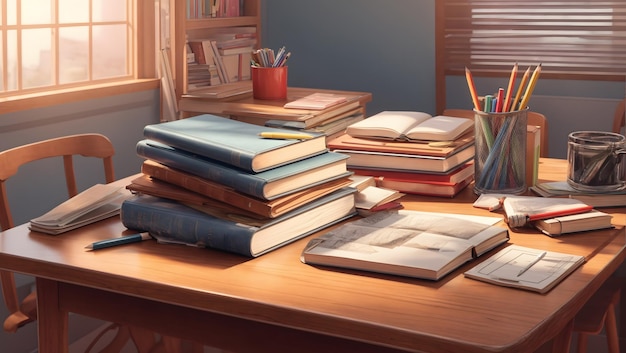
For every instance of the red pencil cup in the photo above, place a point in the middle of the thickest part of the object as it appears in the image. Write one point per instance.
(269, 82)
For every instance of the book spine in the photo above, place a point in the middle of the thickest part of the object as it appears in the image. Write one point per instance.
(202, 187)
(237, 158)
(176, 222)
(212, 171)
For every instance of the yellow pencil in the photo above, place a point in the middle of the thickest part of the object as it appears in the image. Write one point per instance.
(519, 90)
(531, 87)
(472, 88)
(509, 91)
(285, 136)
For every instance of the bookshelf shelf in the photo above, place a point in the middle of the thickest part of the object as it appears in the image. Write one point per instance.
(193, 28)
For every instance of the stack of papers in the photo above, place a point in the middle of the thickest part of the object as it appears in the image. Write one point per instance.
(96, 203)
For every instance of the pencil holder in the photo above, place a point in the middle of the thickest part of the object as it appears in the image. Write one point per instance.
(269, 83)
(500, 158)
(596, 161)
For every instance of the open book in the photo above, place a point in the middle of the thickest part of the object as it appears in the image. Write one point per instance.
(95, 203)
(410, 126)
(520, 211)
(407, 243)
(526, 268)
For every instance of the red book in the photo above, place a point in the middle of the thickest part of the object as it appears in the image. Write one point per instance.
(456, 176)
(445, 189)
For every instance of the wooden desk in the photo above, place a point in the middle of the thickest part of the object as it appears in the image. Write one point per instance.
(244, 107)
(275, 303)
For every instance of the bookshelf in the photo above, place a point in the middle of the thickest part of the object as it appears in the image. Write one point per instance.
(189, 23)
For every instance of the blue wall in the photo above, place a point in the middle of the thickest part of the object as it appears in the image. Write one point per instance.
(389, 50)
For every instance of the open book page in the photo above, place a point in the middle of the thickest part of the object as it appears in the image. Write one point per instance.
(373, 196)
(526, 268)
(407, 243)
(440, 128)
(387, 124)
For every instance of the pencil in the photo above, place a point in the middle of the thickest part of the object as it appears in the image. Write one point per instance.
(519, 90)
(509, 90)
(472, 89)
(531, 86)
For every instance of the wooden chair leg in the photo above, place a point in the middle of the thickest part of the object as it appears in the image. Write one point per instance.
(610, 328)
(581, 345)
(119, 340)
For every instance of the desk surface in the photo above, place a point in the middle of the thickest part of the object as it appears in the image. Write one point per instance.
(455, 314)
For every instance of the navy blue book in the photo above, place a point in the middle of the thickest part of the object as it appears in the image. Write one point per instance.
(229, 229)
(234, 142)
(267, 185)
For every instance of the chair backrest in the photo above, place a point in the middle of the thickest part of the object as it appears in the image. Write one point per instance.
(534, 119)
(619, 120)
(88, 145)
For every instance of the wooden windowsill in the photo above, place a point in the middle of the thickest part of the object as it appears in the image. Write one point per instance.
(41, 100)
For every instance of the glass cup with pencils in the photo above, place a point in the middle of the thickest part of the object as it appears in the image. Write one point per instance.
(500, 128)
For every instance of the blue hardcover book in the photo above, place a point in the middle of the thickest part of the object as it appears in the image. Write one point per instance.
(234, 142)
(268, 185)
(225, 229)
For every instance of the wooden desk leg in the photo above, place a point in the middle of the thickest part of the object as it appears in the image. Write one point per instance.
(52, 322)
(561, 343)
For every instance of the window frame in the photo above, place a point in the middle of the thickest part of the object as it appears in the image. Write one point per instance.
(444, 31)
(144, 78)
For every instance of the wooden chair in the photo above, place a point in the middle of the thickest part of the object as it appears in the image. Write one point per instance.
(88, 145)
(619, 119)
(534, 118)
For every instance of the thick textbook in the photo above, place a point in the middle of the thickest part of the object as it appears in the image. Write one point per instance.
(410, 126)
(406, 243)
(234, 142)
(526, 268)
(407, 162)
(459, 174)
(226, 228)
(268, 185)
(163, 181)
(579, 222)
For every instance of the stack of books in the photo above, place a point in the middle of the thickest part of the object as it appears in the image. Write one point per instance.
(411, 152)
(220, 183)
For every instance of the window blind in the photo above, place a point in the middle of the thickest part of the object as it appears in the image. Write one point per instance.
(571, 39)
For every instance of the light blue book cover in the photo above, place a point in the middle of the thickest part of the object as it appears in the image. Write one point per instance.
(268, 185)
(173, 222)
(234, 142)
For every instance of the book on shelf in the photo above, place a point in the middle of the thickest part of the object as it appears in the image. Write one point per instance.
(579, 222)
(223, 91)
(234, 142)
(268, 185)
(418, 244)
(163, 181)
(526, 268)
(457, 175)
(98, 202)
(308, 118)
(316, 101)
(563, 189)
(226, 228)
(520, 211)
(407, 162)
(411, 126)
(423, 148)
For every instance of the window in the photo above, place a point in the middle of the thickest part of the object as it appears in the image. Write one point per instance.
(49, 46)
(571, 39)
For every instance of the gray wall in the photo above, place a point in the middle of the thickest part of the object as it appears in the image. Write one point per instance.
(389, 50)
